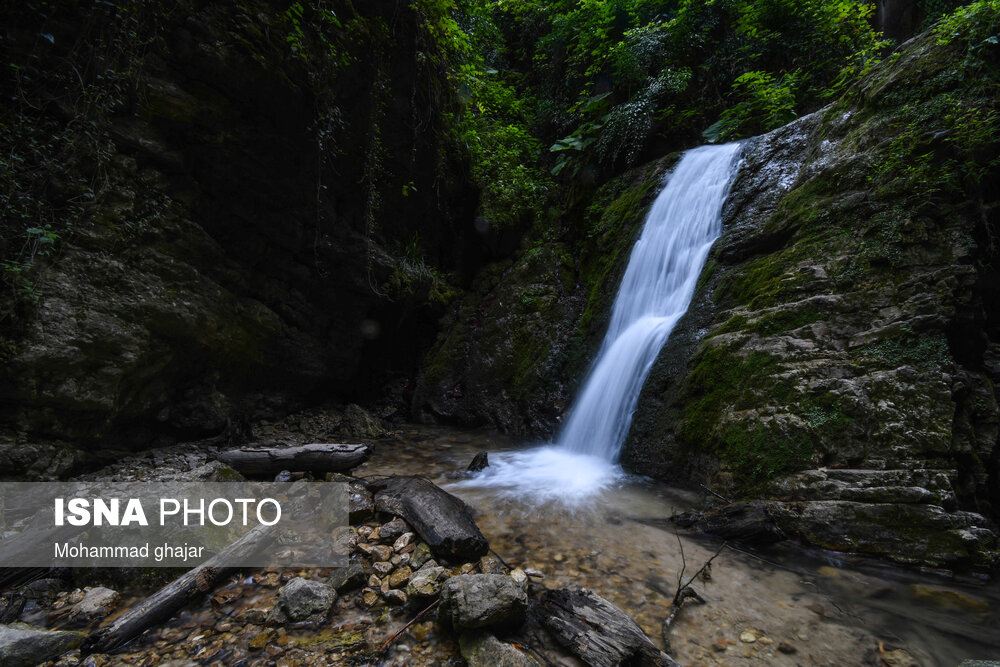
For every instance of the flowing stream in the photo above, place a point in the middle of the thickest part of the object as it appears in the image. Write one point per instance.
(659, 281)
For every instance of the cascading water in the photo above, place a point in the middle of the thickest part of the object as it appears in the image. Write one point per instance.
(659, 282)
(656, 290)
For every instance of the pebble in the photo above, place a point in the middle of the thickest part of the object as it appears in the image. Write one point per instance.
(400, 577)
(374, 581)
(395, 596)
(787, 648)
(402, 542)
(382, 568)
(389, 532)
(422, 630)
(379, 552)
(369, 597)
(748, 637)
(262, 639)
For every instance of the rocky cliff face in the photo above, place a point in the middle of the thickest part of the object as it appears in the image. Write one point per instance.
(513, 352)
(242, 212)
(841, 354)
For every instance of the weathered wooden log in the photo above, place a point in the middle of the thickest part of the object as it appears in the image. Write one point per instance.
(318, 458)
(163, 604)
(441, 519)
(598, 632)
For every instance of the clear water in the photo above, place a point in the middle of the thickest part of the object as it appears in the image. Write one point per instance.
(659, 281)
(833, 608)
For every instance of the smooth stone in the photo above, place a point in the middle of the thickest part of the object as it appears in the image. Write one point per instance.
(345, 579)
(24, 646)
(301, 598)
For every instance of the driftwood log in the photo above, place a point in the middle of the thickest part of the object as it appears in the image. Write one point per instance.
(318, 458)
(441, 519)
(163, 604)
(598, 632)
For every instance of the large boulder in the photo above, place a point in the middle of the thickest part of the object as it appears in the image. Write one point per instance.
(473, 601)
(24, 646)
(301, 599)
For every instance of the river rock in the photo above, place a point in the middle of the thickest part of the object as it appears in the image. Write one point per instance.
(379, 552)
(483, 649)
(389, 532)
(400, 576)
(395, 596)
(480, 461)
(427, 582)
(402, 542)
(348, 578)
(474, 601)
(382, 568)
(744, 522)
(300, 599)
(359, 423)
(96, 603)
(948, 598)
(420, 555)
(24, 646)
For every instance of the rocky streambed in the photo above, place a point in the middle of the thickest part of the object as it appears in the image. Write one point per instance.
(399, 603)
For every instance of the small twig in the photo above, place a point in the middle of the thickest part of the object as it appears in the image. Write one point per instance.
(501, 559)
(680, 575)
(717, 495)
(700, 570)
(403, 629)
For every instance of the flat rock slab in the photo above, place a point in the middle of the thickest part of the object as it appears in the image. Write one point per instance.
(443, 521)
(317, 457)
(23, 646)
(598, 632)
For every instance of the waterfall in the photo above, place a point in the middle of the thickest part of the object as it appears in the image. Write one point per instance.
(659, 281)
(655, 292)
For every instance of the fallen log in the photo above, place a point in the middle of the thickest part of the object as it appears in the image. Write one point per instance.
(598, 632)
(163, 604)
(318, 458)
(443, 521)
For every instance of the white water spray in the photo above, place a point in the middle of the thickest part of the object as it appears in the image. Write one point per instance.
(659, 282)
(656, 290)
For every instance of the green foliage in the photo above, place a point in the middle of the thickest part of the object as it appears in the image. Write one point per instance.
(921, 350)
(765, 104)
(54, 148)
(493, 121)
(665, 70)
(974, 24)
